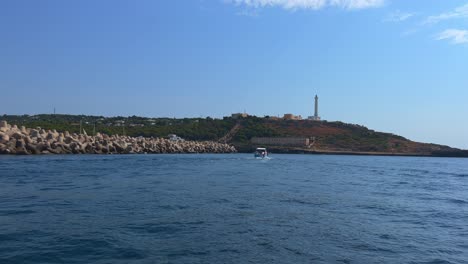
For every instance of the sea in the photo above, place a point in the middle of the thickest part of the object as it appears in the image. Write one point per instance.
(233, 208)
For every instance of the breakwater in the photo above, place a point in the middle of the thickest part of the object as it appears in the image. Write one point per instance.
(26, 141)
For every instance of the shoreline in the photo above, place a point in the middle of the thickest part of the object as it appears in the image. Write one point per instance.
(27, 141)
(272, 149)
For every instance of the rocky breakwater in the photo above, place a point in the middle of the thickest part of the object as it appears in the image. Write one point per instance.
(25, 141)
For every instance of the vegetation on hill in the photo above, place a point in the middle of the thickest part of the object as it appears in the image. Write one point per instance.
(188, 128)
(326, 136)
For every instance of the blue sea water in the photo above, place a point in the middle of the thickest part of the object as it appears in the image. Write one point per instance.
(233, 209)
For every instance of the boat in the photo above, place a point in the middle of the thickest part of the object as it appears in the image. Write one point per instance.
(261, 153)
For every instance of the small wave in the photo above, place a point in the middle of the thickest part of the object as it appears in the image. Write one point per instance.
(301, 201)
(298, 201)
(295, 251)
(462, 246)
(434, 261)
(243, 206)
(378, 172)
(458, 175)
(414, 172)
(186, 253)
(346, 261)
(173, 207)
(386, 236)
(457, 201)
(15, 212)
(160, 229)
(221, 201)
(371, 207)
(265, 244)
(228, 250)
(7, 237)
(368, 247)
(59, 188)
(130, 253)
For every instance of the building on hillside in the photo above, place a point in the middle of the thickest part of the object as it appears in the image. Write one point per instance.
(174, 137)
(274, 118)
(292, 117)
(239, 115)
(119, 123)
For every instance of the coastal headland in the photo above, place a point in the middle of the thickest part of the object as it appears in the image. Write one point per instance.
(26, 141)
(203, 135)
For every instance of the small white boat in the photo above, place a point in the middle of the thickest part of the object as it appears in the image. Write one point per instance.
(261, 153)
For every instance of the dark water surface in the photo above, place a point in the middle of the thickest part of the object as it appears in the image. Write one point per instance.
(233, 209)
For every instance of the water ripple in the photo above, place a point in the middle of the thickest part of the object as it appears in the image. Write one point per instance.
(233, 209)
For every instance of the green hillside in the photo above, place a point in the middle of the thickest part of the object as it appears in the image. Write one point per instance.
(326, 136)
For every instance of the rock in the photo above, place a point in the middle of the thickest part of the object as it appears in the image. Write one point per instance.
(34, 133)
(33, 149)
(11, 143)
(104, 150)
(22, 151)
(64, 149)
(97, 146)
(112, 149)
(39, 141)
(89, 149)
(3, 149)
(50, 136)
(120, 146)
(11, 151)
(4, 137)
(42, 146)
(27, 139)
(3, 123)
(68, 139)
(20, 143)
(17, 135)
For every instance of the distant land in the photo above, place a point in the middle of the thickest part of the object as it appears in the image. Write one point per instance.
(247, 133)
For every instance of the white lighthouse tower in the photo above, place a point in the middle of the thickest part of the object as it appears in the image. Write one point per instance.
(316, 117)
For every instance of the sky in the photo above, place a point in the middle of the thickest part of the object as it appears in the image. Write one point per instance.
(395, 66)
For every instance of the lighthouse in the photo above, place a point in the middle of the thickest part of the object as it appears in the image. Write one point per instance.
(316, 117)
(316, 108)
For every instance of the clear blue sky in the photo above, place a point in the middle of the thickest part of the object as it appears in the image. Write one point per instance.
(393, 65)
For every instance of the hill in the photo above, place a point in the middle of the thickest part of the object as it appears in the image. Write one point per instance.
(325, 137)
(339, 138)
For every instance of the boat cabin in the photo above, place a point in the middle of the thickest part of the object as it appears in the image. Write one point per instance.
(261, 153)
